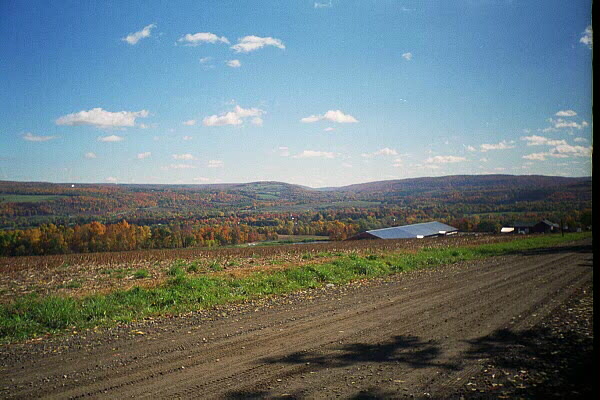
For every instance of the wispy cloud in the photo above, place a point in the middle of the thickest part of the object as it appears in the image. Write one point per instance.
(536, 140)
(102, 119)
(315, 154)
(134, 38)
(323, 5)
(189, 122)
(407, 56)
(90, 155)
(386, 151)
(233, 63)
(560, 123)
(252, 43)
(503, 145)
(215, 164)
(445, 159)
(178, 166)
(144, 155)
(30, 137)
(562, 150)
(332, 116)
(186, 156)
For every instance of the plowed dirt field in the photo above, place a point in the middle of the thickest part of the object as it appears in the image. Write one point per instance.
(427, 333)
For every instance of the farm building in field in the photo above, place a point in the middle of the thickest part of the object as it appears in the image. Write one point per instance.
(415, 231)
(543, 226)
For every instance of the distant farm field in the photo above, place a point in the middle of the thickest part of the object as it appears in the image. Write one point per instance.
(27, 198)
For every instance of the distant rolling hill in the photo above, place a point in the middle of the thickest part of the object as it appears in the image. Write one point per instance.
(460, 182)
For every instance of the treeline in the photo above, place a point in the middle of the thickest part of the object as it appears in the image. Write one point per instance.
(97, 237)
(230, 230)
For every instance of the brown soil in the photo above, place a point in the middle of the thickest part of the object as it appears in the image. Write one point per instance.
(439, 333)
(83, 274)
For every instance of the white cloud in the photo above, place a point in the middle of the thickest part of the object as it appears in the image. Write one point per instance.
(233, 63)
(445, 159)
(235, 117)
(205, 60)
(101, 118)
(111, 138)
(398, 162)
(560, 123)
(386, 151)
(252, 43)
(215, 164)
(189, 122)
(407, 56)
(332, 116)
(90, 155)
(178, 166)
(144, 155)
(135, 37)
(503, 145)
(201, 179)
(536, 140)
(187, 137)
(470, 148)
(588, 37)
(323, 5)
(186, 156)
(580, 140)
(111, 179)
(561, 151)
(315, 154)
(195, 39)
(257, 121)
(330, 129)
(575, 151)
(566, 113)
(30, 137)
(284, 151)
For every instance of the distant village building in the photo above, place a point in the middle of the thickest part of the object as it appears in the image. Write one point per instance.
(415, 231)
(543, 226)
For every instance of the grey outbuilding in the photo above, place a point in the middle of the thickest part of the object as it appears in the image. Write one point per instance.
(414, 231)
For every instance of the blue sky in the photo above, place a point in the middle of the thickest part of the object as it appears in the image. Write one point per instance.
(314, 93)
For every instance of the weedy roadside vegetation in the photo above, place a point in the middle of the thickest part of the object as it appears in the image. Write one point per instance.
(32, 315)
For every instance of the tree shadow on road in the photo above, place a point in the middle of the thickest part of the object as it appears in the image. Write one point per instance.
(535, 363)
(408, 350)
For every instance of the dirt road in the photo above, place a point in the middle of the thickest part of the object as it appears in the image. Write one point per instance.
(423, 334)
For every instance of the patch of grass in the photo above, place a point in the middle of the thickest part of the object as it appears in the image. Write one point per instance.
(214, 266)
(141, 274)
(30, 316)
(175, 270)
(193, 267)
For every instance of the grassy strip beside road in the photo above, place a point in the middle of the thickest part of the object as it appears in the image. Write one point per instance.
(32, 316)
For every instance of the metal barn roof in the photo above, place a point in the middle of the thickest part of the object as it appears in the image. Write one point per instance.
(413, 231)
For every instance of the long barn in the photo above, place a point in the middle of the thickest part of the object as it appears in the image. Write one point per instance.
(414, 231)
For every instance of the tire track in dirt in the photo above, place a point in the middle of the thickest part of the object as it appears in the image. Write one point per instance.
(416, 324)
(129, 375)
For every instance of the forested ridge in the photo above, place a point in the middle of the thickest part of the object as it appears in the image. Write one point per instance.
(48, 218)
